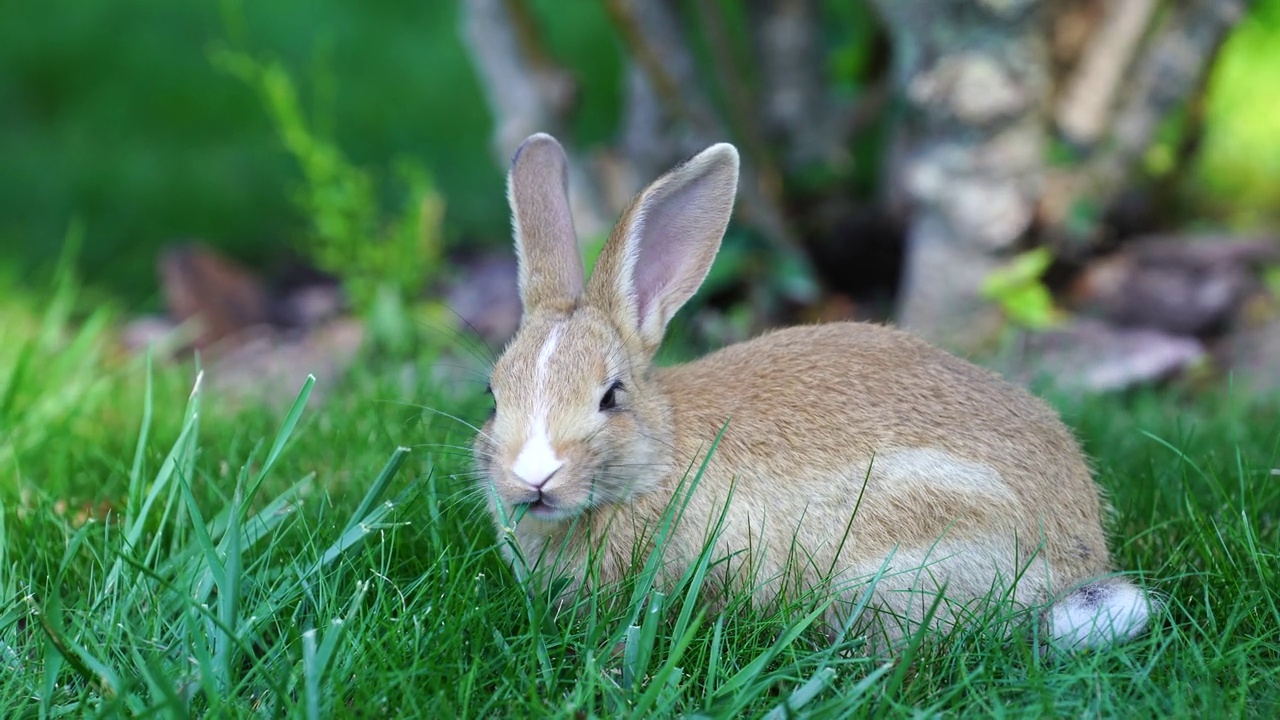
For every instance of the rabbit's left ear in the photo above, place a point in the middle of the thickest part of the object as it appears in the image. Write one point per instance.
(550, 263)
(664, 244)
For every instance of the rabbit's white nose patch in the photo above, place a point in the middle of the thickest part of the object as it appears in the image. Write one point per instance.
(537, 460)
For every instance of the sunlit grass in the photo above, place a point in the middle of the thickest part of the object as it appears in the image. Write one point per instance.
(160, 554)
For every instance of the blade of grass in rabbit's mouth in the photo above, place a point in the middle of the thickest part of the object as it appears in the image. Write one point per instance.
(541, 507)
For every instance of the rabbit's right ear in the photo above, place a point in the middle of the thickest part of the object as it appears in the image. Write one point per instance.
(550, 263)
(664, 244)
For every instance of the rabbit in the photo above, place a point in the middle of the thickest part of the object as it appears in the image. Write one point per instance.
(853, 458)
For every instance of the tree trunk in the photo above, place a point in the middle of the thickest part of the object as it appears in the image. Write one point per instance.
(973, 79)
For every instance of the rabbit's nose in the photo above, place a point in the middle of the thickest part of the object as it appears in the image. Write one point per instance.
(538, 483)
(537, 461)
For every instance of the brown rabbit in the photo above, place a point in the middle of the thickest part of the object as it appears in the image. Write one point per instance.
(860, 457)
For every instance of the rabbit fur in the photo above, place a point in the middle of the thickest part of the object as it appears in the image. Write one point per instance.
(961, 481)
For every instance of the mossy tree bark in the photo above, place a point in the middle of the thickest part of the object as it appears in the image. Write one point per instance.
(968, 159)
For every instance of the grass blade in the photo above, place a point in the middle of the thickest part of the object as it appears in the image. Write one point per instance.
(286, 431)
(671, 517)
(803, 695)
(361, 529)
(311, 674)
(133, 534)
(134, 502)
(330, 643)
(379, 487)
(229, 590)
(738, 686)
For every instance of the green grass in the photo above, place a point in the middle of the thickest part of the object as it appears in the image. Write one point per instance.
(161, 555)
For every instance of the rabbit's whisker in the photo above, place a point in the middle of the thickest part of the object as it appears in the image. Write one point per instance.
(442, 413)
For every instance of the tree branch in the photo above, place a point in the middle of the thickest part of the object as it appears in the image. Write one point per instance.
(527, 93)
(1085, 106)
(797, 109)
(1165, 75)
(651, 31)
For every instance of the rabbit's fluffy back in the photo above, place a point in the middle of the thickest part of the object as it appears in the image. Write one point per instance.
(965, 474)
(947, 444)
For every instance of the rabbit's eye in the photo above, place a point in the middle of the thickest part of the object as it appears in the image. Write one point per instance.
(610, 399)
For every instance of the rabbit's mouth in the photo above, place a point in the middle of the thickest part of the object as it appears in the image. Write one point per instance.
(544, 508)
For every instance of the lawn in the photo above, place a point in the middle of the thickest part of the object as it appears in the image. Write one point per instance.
(162, 553)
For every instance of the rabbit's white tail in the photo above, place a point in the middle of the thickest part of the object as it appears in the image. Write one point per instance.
(1100, 614)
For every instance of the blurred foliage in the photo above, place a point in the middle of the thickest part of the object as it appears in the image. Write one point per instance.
(1238, 166)
(1271, 278)
(350, 236)
(114, 113)
(1018, 290)
(50, 377)
(579, 36)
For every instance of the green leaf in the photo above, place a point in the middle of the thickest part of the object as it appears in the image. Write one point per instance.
(1017, 289)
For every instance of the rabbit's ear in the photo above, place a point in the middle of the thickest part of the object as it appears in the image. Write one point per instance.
(663, 247)
(551, 275)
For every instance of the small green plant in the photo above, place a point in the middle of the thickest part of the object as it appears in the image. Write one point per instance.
(1271, 277)
(1018, 290)
(350, 234)
(48, 367)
